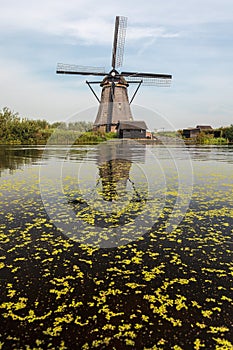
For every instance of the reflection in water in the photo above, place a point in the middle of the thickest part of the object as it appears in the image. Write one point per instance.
(212, 153)
(111, 200)
(12, 158)
(114, 163)
(170, 290)
(114, 175)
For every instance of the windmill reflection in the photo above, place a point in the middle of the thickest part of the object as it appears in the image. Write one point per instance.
(114, 163)
(120, 191)
(115, 177)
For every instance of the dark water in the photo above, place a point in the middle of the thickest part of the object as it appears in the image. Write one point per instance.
(119, 246)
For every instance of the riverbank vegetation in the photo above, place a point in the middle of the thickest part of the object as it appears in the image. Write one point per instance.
(23, 131)
(219, 136)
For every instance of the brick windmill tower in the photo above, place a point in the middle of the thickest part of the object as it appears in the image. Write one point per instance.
(114, 103)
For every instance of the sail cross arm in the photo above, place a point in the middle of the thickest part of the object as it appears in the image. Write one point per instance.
(79, 70)
(146, 75)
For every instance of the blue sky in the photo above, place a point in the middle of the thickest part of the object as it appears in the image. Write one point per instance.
(192, 40)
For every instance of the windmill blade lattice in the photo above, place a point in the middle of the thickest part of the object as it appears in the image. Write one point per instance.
(119, 41)
(149, 79)
(63, 68)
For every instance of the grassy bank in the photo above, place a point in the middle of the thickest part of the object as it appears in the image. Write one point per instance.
(22, 131)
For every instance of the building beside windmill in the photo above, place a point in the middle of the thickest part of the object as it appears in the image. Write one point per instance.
(131, 129)
(114, 104)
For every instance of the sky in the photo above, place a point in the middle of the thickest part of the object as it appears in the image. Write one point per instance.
(192, 40)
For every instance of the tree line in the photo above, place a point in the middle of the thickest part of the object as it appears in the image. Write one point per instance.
(219, 136)
(228, 133)
(16, 130)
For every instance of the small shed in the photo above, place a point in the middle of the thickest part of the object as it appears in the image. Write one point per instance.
(190, 132)
(131, 129)
(193, 132)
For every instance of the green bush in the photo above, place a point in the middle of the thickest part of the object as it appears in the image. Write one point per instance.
(228, 133)
(16, 130)
(215, 141)
(94, 137)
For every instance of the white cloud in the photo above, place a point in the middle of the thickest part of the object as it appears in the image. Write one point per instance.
(178, 37)
(38, 98)
(90, 20)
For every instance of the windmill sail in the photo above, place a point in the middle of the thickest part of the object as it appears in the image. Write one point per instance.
(63, 68)
(148, 78)
(119, 41)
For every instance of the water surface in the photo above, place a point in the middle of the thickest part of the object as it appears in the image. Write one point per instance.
(116, 247)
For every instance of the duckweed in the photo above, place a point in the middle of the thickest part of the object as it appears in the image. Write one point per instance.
(162, 290)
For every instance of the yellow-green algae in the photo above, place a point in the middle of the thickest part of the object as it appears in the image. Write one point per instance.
(164, 291)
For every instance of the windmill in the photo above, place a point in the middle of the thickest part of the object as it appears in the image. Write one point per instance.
(114, 104)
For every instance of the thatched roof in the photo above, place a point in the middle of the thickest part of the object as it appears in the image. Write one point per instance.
(131, 125)
(204, 127)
